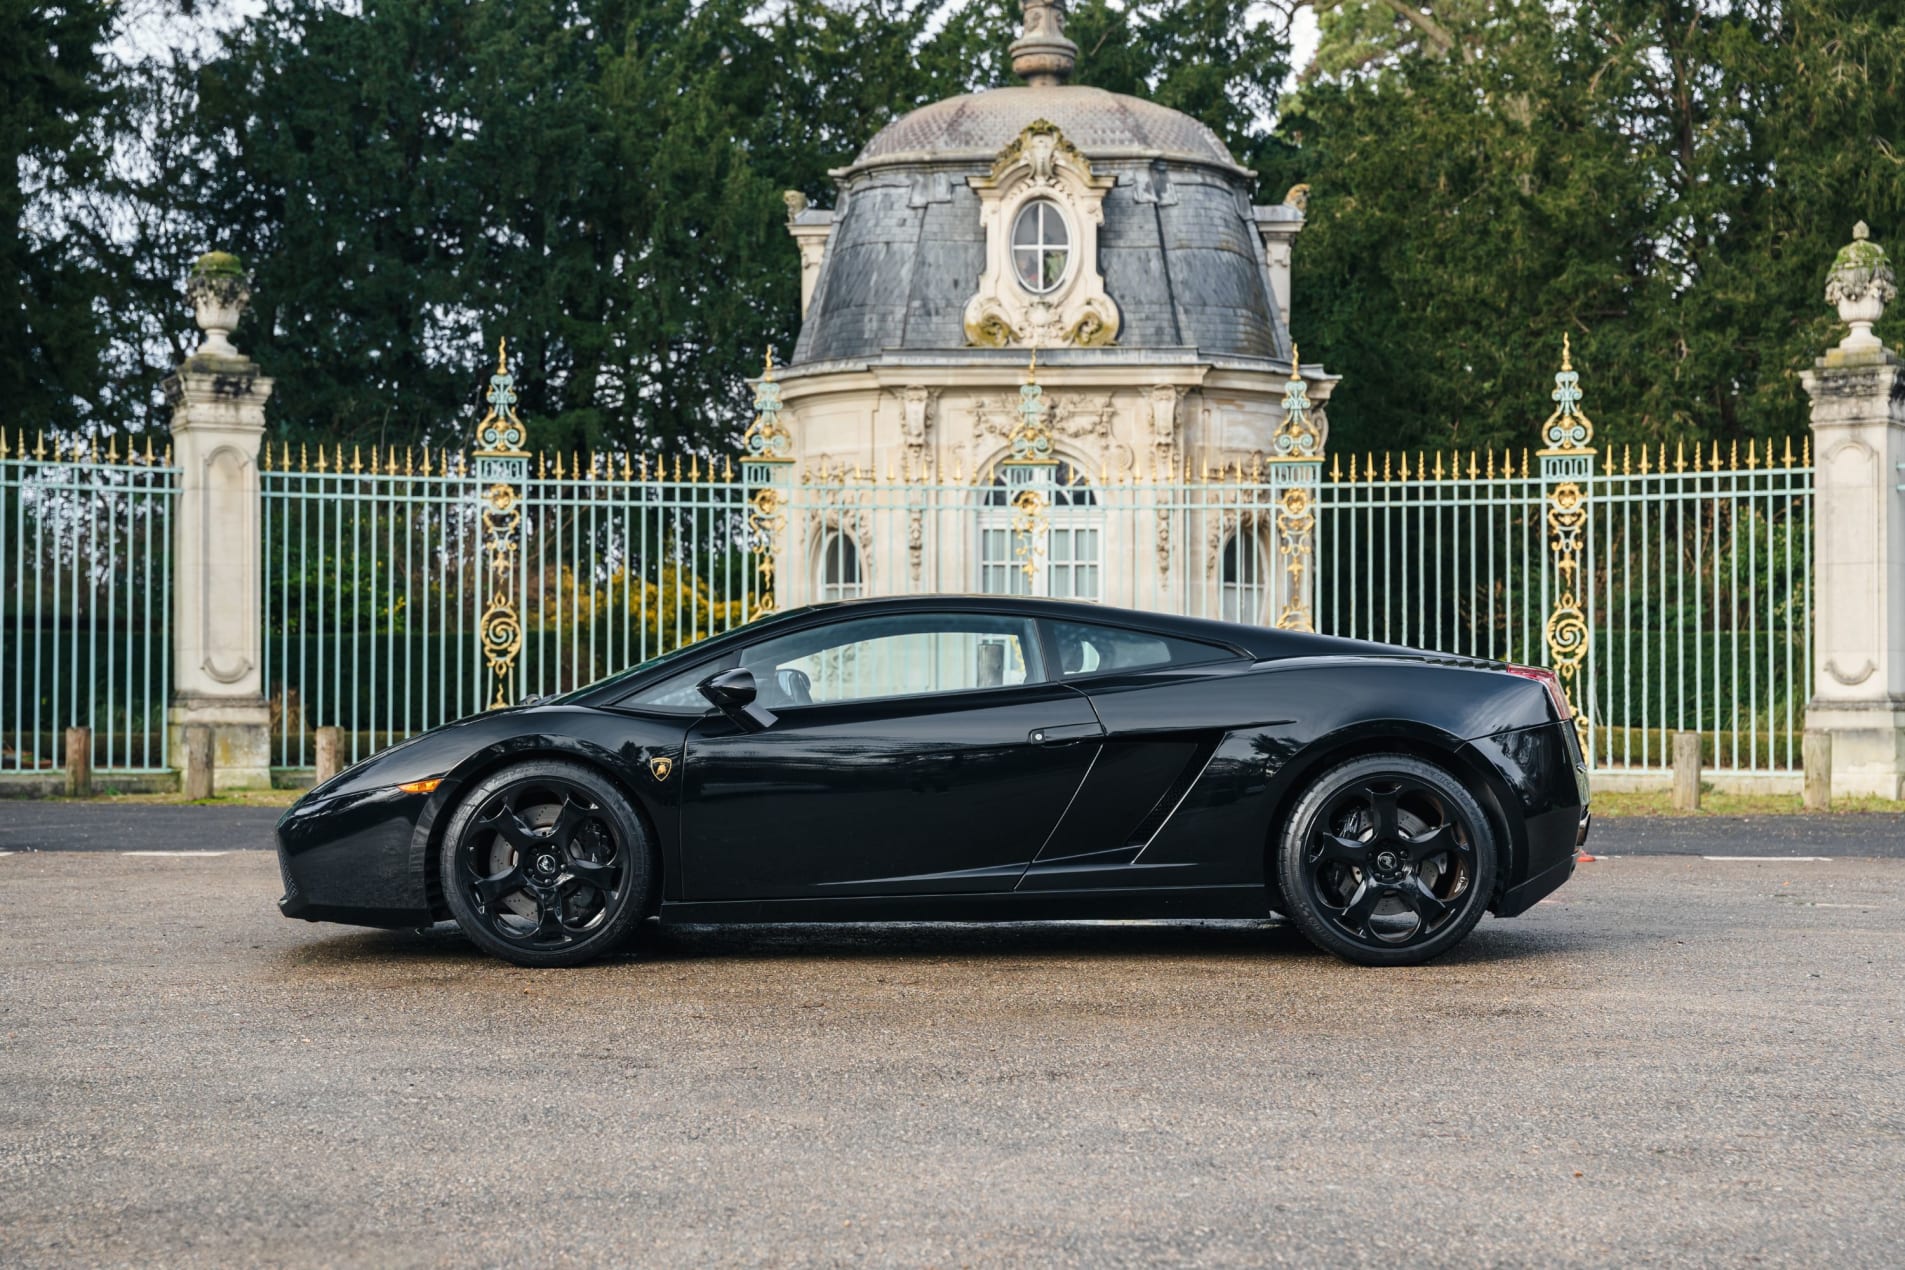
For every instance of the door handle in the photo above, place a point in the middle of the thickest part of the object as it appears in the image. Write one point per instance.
(1066, 733)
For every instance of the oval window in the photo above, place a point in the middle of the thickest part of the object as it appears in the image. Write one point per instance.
(1041, 246)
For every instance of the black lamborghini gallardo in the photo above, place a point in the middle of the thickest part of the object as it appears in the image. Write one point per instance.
(978, 758)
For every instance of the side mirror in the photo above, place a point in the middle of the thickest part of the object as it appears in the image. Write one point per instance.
(732, 692)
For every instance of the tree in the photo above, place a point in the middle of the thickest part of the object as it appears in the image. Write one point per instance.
(51, 345)
(1666, 181)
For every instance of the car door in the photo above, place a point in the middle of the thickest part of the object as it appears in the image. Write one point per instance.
(909, 754)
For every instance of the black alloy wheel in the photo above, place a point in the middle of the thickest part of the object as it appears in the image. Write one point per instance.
(1387, 861)
(546, 864)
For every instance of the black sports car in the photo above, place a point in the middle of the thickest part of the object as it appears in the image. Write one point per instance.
(975, 758)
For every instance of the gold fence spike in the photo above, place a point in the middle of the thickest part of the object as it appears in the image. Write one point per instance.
(1752, 453)
(1403, 472)
(727, 468)
(694, 467)
(92, 449)
(1713, 464)
(3, 443)
(357, 459)
(1805, 449)
(39, 449)
(959, 471)
(1734, 455)
(575, 465)
(1388, 469)
(1789, 452)
(1438, 465)
(677, 467)
(641, 468)
(322, 463)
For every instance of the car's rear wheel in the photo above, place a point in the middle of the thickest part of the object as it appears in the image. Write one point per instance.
(546, 864)
(1386, 861)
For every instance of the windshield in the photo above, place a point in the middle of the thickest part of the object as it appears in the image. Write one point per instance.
(683, 654)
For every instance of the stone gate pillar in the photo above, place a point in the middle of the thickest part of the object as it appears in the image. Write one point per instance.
(1858, 424)
(218, 419)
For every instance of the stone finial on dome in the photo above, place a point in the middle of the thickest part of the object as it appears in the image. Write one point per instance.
(1042, 56)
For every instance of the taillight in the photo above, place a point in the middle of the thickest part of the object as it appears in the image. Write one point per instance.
(1549, 680)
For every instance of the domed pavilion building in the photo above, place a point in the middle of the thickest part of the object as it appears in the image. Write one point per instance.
(1109, 237)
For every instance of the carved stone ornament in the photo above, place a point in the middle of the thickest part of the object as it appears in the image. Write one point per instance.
(1040, 164)
(219, 290)
(1861, 283)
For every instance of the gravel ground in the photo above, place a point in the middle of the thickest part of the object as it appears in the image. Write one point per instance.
(1674, 1061)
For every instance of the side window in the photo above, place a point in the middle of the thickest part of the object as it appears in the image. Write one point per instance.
(1091, 650)
(898, 656)
(676, 694)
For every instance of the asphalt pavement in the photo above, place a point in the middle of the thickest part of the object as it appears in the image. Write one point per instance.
(1672, 1061)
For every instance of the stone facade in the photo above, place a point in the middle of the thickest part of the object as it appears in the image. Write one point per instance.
(1163, 340)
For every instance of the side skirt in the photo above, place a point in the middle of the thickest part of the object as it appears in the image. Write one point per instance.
(989, 906)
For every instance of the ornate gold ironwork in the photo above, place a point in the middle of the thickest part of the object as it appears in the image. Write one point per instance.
(1567, 630)
(767, 439)
(1568, 430)
(1297, 464)
(1296, 437)
(765, 520)
(1296, 529)
(501, 460)
(1567, 462)
(1031, 439)
(1029, 523)
(501, 628)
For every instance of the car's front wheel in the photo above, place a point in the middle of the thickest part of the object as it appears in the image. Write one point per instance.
(1386, 861)
(546, 864)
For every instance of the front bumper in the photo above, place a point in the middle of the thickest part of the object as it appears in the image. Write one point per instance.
(355, 858)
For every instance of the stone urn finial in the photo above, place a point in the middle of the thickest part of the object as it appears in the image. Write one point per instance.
(219, 289)
(1043, 57)
(1861, 283)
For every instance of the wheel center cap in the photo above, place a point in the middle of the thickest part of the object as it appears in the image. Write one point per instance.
(1387, 861)
(546, 865)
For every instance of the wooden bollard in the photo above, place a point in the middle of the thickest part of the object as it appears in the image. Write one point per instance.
(330, 750)
(198, 761)
(79, 762)
(1816, 747)
(1686, 771)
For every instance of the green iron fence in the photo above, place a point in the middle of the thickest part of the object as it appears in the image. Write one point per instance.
(85, 609)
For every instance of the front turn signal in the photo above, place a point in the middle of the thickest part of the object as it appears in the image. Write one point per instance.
(422, 787)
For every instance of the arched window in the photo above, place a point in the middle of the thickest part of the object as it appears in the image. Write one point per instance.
(1041, 246)
(839, 568)
(1072, 565)
(1245, 579)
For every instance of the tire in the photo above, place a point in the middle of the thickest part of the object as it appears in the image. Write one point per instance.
(545, 864)
(1387, 861)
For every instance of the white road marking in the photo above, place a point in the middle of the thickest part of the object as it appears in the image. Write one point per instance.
(170, 854)
(1769, 859)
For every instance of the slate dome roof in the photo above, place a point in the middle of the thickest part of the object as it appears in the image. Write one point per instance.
(1103, 124)
(1178, 246)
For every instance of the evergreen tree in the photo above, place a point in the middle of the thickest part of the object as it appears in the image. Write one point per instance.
(52, 344)
(1664, 180)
